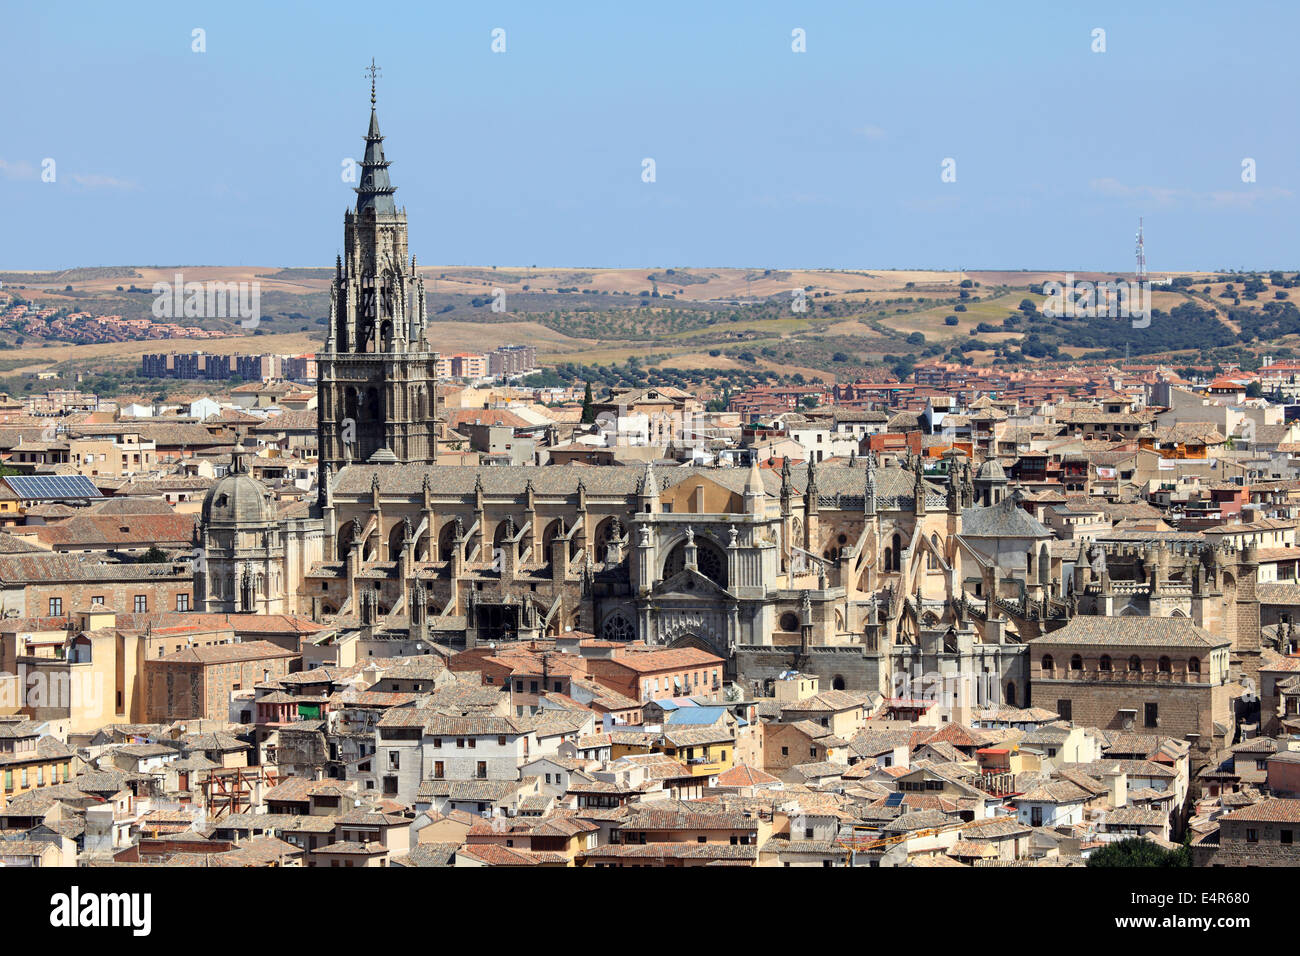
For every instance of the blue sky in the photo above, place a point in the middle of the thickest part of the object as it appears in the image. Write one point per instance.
(763, 157)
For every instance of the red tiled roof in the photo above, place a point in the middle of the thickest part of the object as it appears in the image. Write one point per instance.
(114, 530)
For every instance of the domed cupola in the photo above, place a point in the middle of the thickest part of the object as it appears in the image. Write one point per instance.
(238, 498)
(990, 483)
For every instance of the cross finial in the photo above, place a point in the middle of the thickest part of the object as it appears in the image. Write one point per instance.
(373, 72)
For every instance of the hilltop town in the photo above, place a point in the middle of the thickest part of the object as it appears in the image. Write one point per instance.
(397, 604)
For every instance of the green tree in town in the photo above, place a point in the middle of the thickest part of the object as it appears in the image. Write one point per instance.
(1135, 851)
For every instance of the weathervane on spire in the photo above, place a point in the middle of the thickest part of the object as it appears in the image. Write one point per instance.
(373, 71)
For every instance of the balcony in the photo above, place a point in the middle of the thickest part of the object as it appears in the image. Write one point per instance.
(997, 783)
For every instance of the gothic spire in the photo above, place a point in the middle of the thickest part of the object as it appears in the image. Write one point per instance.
(869, 491)
(918, 488)
(375, 191)
(649, 485)
(754, 480)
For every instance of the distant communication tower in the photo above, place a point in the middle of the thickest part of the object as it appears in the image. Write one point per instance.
(1141, 254)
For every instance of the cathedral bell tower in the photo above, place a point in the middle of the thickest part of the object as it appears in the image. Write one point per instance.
(377, 373)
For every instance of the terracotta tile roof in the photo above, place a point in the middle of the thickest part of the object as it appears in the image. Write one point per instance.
(743, 775)
(1273, 810)
(227, 653)
(107, 531)
(1122, 632)
(678, 658)
(675, 851)
(493, 854)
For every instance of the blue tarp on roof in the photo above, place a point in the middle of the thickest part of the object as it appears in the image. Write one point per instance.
(695, 715)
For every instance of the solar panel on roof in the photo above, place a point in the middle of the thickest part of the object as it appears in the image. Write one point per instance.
(894, 799)
(52, 487)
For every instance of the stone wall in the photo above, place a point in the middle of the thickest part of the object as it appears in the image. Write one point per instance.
(858, 669)
(160, 594)
(185, 690)
(1234, 850)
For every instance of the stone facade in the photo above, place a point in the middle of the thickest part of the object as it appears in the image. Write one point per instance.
(1266, 834)
(835, 563)
(74, 585)
(248, 558)
(197, 683)
(1147, 675)
(1213, 587)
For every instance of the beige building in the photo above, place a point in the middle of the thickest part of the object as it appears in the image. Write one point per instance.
(1161, 675)
(82, 677)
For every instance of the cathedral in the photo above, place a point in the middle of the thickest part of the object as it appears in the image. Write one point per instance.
(376, 374)
(872, 574)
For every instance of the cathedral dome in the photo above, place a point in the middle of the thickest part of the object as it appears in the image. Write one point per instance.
(238, 498)
(991, 471)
